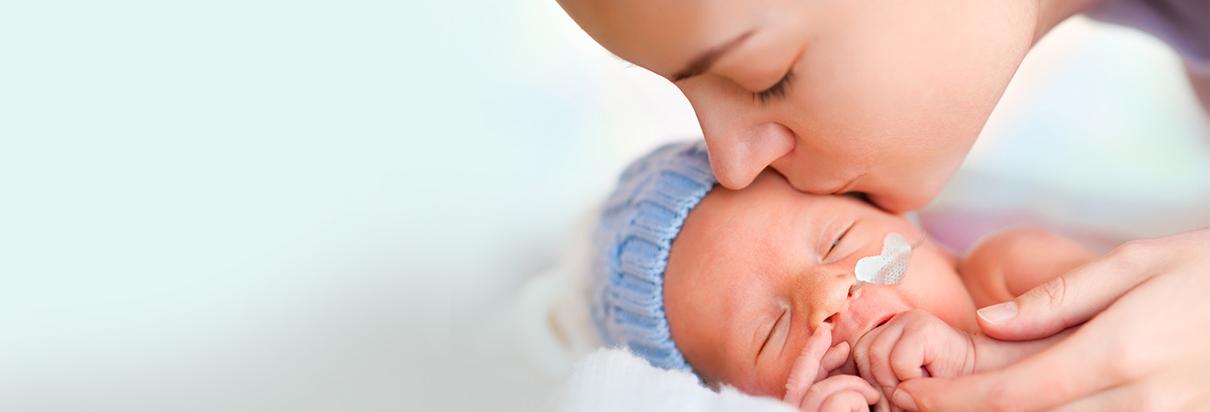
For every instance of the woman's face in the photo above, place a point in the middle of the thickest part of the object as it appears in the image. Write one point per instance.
(878, 97)
(753, 272)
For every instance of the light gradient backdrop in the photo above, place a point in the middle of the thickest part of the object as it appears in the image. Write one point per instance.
(319, 205)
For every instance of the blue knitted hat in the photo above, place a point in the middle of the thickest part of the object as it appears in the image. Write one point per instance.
(640, 220)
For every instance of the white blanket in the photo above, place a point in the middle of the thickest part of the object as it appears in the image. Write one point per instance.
(553, 325)
(615, 380)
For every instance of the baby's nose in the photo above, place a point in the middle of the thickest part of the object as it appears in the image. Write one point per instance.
(835, 293)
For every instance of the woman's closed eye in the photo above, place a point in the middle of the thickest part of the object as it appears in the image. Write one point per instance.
(776, 91)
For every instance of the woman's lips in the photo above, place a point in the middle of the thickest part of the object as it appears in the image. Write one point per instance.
(848, 186)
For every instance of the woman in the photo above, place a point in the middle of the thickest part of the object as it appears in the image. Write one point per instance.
(886, 99)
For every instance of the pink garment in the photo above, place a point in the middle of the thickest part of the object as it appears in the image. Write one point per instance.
(1183, 24)
(959, 229)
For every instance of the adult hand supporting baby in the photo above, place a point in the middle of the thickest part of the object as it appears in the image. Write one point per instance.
(1143, 346)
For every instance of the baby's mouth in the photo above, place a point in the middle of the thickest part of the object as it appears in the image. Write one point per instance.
(873, 307)
(881, 322)
(849, 367)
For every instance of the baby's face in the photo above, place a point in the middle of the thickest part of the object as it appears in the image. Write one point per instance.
(753, 272)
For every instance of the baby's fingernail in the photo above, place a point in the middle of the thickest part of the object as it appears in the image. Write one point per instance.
(819, 330)
(902, 400)
(999, 312)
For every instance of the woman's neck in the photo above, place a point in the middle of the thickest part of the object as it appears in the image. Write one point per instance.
(1053, 12)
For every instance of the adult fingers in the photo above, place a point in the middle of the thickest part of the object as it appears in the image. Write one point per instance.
(807, 366)
(1073, 298)
(1070, 370)
(1115, 399)
(822, 390)
(1157, 393)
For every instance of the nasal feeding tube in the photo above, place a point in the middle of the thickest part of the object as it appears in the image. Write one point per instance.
(888, 267)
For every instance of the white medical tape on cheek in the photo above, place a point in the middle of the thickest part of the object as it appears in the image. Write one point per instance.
(889, 266)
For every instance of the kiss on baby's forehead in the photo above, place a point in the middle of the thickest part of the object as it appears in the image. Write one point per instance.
(883, 99)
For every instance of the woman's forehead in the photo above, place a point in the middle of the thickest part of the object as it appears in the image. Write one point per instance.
(663, 35)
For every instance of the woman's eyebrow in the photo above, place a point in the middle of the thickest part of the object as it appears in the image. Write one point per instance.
(702, 62)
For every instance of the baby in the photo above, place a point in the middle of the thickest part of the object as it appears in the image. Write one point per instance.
(756, 288)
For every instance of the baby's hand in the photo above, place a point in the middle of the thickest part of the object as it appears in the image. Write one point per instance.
(810, 389)
(911, 345)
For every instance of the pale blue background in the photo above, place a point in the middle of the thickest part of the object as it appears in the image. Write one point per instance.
(322, 205)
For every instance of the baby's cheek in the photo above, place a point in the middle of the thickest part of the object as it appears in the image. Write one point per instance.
(768, 381)
(936, 288)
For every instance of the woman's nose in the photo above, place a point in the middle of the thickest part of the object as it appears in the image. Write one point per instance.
(740, 136)
(738, 156)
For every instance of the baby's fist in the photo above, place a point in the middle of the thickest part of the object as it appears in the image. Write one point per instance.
(911, 345)
(810, 389)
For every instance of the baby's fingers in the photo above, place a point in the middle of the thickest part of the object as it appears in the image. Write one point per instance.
(879, 354)
(806, 368)
(821, 391)
(847, 401)
(835, 357)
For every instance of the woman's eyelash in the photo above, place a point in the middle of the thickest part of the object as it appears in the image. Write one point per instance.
(777, 91)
